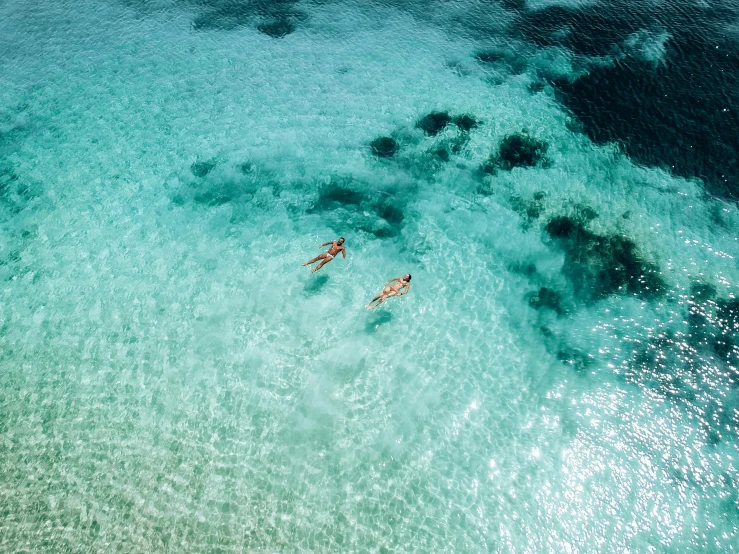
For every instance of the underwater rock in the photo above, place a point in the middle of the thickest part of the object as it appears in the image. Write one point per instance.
(433, 123)
(335, 194)
(442, 154)
(390, 213)
(385, 221)
(599, 266)
(277, 28)
(224, 17)
(546, 298)
(535, 87)
(586, 212)
(278, 16)
(359, 211)
(514, 62)
(465, 122)
(514, 5)
(384, 147)
(493, 56)
(517, 150)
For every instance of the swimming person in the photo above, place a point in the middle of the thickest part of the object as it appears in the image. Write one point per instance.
(336, 247)
(398, 284)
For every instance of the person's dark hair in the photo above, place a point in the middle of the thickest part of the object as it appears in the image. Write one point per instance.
(341, 238)
(409, 277)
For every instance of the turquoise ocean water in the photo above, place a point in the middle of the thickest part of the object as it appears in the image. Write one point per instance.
(562, 376)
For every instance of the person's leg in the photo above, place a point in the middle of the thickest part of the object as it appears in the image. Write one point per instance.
(324, 262)
(314, 260)
(385, 296)
(379, 299)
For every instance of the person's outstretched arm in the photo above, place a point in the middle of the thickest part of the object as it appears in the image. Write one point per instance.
(407, 288)
(343, 252)
(392, 281)
(326, 244)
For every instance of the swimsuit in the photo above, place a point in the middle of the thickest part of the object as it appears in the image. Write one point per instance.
(329, 256)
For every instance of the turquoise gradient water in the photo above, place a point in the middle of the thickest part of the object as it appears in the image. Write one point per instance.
(172, 380)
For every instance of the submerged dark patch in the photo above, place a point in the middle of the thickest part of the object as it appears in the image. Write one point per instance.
(442, 154)
(201, 169)
(680, 111)
(277, 28)
(224, 16)
(599, 266)
(682, 115)
(517, 150)
(465, 122)
(278, 17)
(546, 298)
(514, 62)
(695, 360)
(574, 358)
(334, 195)
(380, 217)
(433, 123)
(390, 213)
(384, 147)
(517, 5)
(589, 31)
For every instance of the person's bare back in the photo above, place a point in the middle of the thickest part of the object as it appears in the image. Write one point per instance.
(336, 247)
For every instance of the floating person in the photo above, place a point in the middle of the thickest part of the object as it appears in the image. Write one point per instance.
(336, 247)
(392, 288)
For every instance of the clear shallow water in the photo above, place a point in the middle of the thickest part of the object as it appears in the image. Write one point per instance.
(168, 380)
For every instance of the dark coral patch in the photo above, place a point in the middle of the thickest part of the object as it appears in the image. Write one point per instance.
(536, 86)
(277, 28)
(442, 154)
(384, 147)
(335, 195)
(514, 62)
(390, 213)
(201, 169)
(516, 5)
(465, 122)
(226, 15)
(433, 123)
(599, 266)
(364, 212)
(275, 18)
(546, 298)
(517, 150)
